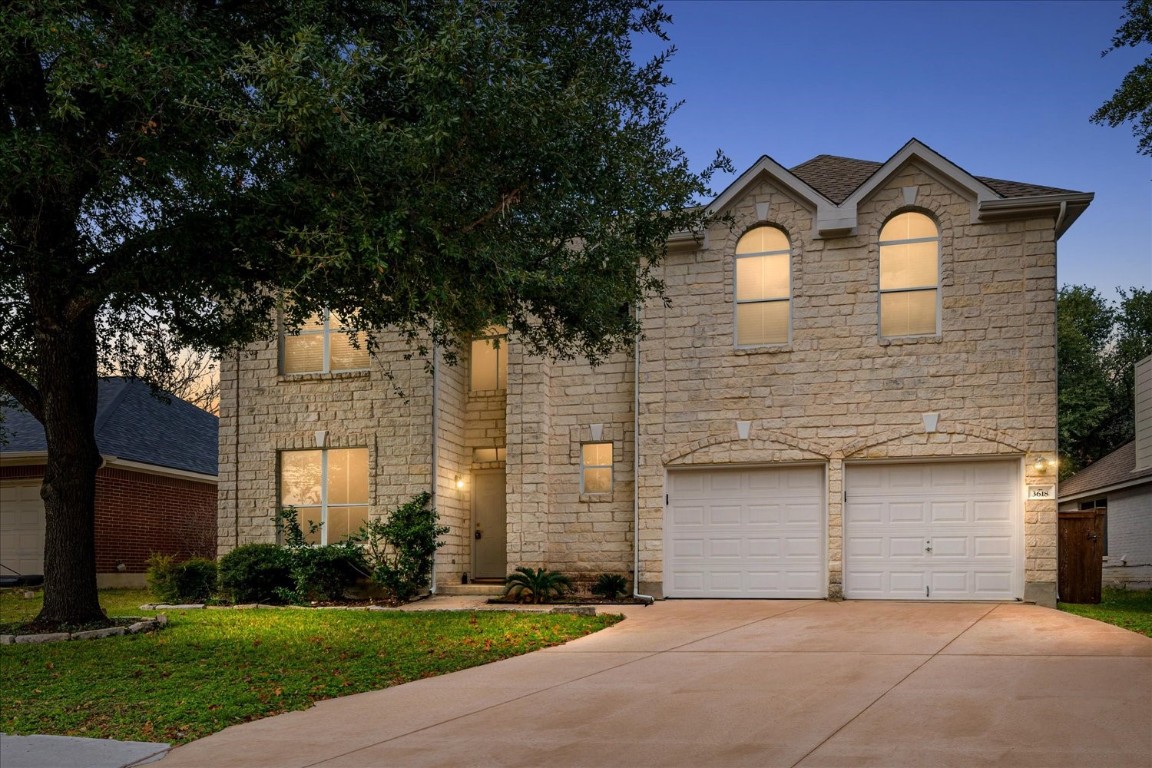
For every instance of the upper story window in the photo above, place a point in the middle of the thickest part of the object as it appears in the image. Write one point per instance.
(763, 287)
(909, 276)
(328, 488)
(489, 364)
(322, 345)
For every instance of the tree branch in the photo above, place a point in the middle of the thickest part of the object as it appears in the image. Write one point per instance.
(506, 201)
(21, 389)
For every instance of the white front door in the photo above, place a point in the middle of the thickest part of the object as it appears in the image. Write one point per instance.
(944, 530)
(489, 525)
(745, 533)
(21, 529)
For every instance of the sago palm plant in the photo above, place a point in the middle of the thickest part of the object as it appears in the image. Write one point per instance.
(540, 585)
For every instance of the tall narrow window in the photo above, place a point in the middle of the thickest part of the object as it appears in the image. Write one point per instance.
(596, 468)
(328, 488)
(909, 276)
(490, 361)
(763, 288)
(322, 345)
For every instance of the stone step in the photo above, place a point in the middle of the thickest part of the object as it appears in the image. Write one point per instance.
(490, 590)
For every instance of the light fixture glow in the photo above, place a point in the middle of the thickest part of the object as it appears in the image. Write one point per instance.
(1041, 465)
(459, 483)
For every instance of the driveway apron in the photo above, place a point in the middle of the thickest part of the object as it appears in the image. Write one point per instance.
(752, 683)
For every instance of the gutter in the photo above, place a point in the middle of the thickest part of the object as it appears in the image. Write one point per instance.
(1066, 208)
(647, 599)
(435, 452)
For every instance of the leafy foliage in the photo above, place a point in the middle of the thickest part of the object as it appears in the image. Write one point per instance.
(1098, 345)
(399, 549)
(187, 581)
(1132, 101)
(256, 573)
(426, 168)
(321, 571)
(610, 586)
(539, 585)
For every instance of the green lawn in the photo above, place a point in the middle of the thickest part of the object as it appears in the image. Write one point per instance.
(1129, 609)
(210, 669)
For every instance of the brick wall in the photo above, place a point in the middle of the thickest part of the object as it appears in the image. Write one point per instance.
(139, 513)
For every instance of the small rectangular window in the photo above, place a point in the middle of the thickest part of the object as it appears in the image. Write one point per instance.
(328, 488)
(596, 468)
(487, 455)
(322, 345)
(489, 362)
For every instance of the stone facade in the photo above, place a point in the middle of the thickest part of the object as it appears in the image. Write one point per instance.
(835, 394)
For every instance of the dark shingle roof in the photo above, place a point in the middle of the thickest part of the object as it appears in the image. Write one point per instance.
(1113, 469)
(134, 425)
(838, 177)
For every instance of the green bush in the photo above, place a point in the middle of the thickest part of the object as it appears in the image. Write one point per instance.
(319, 572)
(256, 573)
(187, 581)
(540, 585)
(610, 586)
(399, 549)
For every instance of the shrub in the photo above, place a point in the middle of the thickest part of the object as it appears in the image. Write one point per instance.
(318, 571)
(540, 585)
(399, 549)
(188, 581)
(610, 586)
(255, 573)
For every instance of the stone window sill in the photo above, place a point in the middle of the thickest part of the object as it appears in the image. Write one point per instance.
(291, 378)
(592, 498)
(900, 341)
(768, 349)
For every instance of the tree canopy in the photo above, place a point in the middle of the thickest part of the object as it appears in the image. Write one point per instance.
(1132, 101)
(1098, 345)
(427, 167)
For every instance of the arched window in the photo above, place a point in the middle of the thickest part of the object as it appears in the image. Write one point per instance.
(909, 276)
(763, 287)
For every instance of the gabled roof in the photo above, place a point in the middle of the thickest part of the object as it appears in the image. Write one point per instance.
(838, 177)
(835, 186)
(1112, 471)
(133, 425)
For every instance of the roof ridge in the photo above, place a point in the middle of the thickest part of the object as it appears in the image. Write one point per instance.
(113, 403)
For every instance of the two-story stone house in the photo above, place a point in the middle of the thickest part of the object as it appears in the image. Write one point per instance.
(851, 392)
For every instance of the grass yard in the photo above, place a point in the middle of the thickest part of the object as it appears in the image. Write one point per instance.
(209, 669)
(1130, 609)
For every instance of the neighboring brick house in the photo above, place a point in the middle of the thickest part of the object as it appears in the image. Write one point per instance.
(1120, 484)
(155, 492)
(852, 391)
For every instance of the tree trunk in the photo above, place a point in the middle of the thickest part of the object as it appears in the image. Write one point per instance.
(68, 386)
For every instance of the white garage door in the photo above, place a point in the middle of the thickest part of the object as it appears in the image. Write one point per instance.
(947, 531)
(21, 529)
(745, 533)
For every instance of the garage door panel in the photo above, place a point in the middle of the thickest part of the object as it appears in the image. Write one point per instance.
(763, 515)
(966, 546)
(22, 528)
(760, 533)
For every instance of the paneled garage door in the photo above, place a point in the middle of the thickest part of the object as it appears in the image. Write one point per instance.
(21, 529)
(745, 533)
(947, 531)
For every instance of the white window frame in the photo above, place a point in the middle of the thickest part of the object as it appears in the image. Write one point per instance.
(324, 505)
(912, 289)
(736, 302)
(326, 332)
(610, 466)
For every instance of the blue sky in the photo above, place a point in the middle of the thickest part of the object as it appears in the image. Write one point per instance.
(1003, 89)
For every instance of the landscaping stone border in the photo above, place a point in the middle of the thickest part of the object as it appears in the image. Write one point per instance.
(144, 625)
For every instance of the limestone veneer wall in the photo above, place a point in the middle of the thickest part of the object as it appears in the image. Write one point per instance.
(838, 391)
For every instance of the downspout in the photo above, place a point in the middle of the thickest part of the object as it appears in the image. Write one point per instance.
(1060, 218)
(235, 460)
(647, 599)
(435, 453)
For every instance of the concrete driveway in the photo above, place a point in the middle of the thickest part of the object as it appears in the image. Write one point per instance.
(756, 683)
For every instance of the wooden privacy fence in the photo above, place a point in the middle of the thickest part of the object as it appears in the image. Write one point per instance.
(1081, 555)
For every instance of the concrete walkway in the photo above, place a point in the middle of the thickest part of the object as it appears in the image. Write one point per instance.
(755, 683)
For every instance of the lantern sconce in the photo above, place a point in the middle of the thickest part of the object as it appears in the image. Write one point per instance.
(1042, 465)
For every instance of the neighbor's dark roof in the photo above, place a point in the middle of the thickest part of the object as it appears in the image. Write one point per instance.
(134, 425)
(1113, 469)
(838, 177)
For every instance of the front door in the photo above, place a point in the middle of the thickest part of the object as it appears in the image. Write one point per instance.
(489, 525)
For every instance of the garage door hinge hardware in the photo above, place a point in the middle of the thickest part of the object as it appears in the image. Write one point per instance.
(927, 591)
(665, 499)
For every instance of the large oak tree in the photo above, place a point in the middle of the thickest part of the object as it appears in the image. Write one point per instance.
(428, 167)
